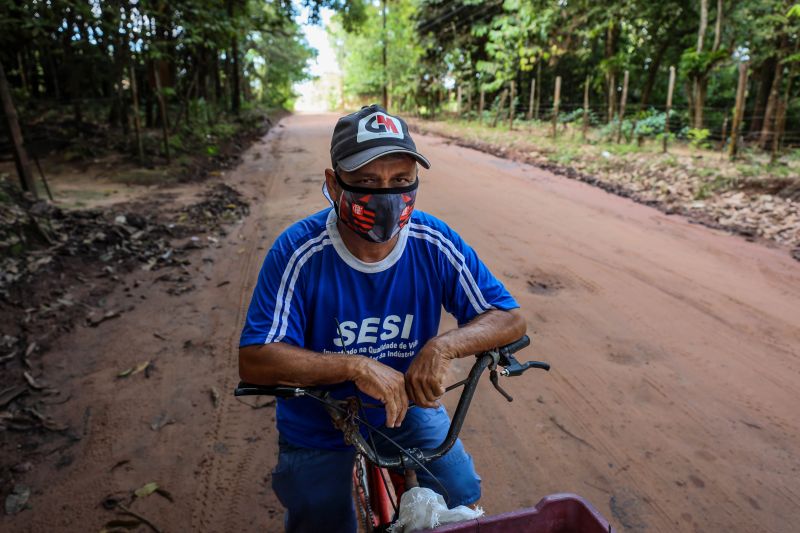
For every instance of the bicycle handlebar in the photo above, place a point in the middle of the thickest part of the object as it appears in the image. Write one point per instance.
(412, 458)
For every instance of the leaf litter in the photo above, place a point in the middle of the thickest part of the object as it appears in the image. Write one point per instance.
(56, 265)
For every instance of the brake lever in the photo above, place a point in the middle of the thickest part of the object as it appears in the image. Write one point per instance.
(494, 378)
(515, 368)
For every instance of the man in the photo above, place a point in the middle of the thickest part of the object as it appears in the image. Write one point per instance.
(350, 298)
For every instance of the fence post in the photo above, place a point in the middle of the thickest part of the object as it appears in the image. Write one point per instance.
(612, 95)
(556, 98)
(724, 131)
(458, 100)
(739, 112)
(586, 106)
(622, 102)
(511, 108)
(538, 94)
(529, 115)
(500, 106)
(469, 97)
(480, 105)
(670, 89)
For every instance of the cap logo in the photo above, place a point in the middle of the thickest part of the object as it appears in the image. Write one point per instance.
(378, 125)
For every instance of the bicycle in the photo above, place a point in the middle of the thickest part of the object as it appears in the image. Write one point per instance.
(377, 507)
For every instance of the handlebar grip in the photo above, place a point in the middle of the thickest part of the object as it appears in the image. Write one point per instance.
(516, 346)
(279, 391)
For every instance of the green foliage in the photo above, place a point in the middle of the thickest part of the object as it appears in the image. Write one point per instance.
(360, 53)
(652, 123)
(698, 138)
(577, 116)
(694, 63)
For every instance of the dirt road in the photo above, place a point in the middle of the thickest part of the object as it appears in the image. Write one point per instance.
(671, 405)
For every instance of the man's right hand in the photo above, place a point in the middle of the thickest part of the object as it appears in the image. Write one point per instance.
(386, 384)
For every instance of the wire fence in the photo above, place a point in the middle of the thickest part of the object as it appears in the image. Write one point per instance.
(716, 119)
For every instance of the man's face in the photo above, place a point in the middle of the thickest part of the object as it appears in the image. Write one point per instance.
(394, 170)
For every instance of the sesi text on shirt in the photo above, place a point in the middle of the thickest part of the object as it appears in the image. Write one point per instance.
(387, 310)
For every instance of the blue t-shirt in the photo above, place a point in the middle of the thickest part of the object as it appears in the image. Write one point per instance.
(386, 310)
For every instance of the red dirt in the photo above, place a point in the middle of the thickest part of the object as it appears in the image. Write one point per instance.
(670, 406)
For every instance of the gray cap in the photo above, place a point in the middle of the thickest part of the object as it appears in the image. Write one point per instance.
(368, 134)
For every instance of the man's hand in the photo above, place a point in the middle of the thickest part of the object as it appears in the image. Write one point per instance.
(425, 376)
(386, 384)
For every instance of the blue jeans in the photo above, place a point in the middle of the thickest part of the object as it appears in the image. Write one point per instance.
(315, 485)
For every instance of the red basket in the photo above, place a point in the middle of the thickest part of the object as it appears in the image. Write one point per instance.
(556, 513)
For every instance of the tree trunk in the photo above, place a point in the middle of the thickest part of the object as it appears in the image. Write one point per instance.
(622, 103)
(236, 102)
(780, 119)
(701, 32)
(741, 89)
(529, 115)
(697, 89)
(511, 107)
(136, 117)
(612, 35)
(163, 107)
(701, 87)
(772, 104)
(652, 71)
(502, 104)
(718, 27)
(539, 93)
(17, 144)
(766, 73)
(612, 92)
(236, 96)
(586, 106)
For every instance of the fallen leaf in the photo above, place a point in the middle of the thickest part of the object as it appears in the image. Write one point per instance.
(120, 523)
(11, 393)
(160, 421)
(132, 371)
(146, 489)
(17, 500)
(31, 381)
(94, 322)
(164, 493)
(140, 367)
(30, 349)
(119, 464)
(214, 396)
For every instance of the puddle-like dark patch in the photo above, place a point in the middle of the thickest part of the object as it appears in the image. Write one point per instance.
(622, 358)
(543, 283)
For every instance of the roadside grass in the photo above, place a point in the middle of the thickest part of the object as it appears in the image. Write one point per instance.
(711, 168)
(695, 177)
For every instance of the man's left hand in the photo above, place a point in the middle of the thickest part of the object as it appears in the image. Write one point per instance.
(425, 376)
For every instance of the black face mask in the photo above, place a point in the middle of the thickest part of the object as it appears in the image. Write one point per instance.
(376, 215)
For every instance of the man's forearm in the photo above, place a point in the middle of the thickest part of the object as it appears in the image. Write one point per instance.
(486, 331)
(283, 364)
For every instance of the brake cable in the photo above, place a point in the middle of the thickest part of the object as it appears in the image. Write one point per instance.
(369, 426)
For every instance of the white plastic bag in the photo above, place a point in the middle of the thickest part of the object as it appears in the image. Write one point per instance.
(424, 509)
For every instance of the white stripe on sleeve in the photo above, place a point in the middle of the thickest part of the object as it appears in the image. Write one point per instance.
(286, 272)
(459, 266)
(457, 253)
